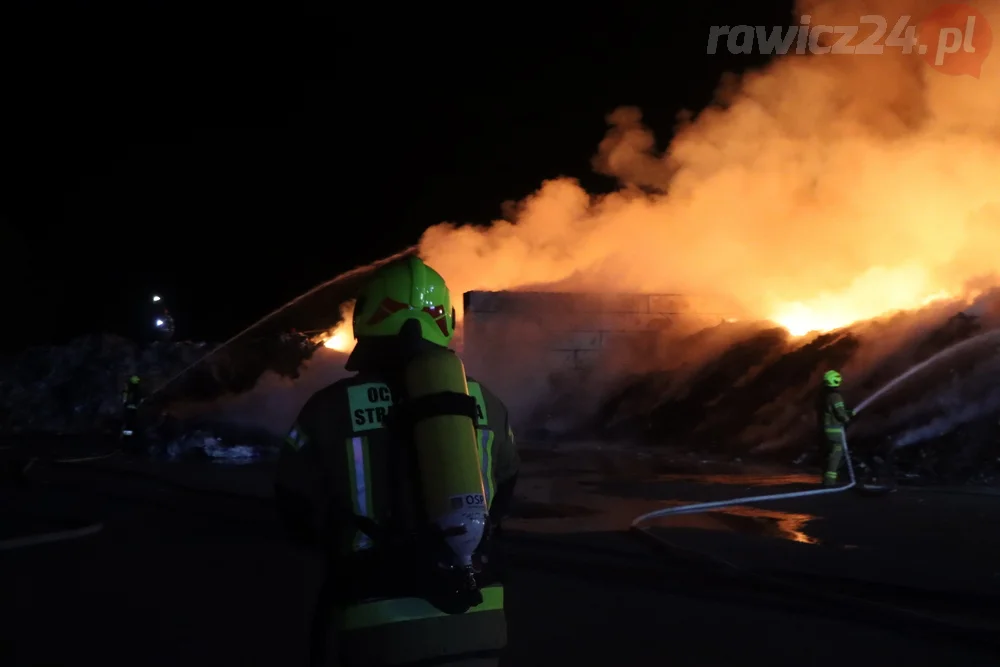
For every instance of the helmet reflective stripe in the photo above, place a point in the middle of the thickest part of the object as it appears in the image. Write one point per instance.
(401, 291)
(832, 379)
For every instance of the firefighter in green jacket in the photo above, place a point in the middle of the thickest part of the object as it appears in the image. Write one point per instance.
(833, 418)
(346, 483)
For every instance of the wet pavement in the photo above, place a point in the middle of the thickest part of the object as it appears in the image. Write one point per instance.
(190, 568)
(913, 538)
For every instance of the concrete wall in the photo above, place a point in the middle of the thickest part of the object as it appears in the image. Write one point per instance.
(576, 331)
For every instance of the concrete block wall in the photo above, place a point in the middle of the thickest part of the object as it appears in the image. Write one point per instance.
(567, 331)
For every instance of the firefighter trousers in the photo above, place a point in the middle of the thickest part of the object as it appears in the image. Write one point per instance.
(835, 441)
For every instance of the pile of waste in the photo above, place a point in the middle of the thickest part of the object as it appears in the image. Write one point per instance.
(736, 390)
(755, 395)
(77, 388)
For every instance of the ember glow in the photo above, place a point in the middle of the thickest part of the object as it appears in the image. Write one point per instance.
(341, 338)
(875, 293)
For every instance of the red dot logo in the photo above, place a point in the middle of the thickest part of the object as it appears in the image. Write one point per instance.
(955, 39)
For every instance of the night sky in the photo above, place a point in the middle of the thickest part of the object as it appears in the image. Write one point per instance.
(233, 162)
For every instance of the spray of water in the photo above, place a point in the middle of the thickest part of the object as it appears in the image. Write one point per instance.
(940, 356)
(333, 281)
(959, 413)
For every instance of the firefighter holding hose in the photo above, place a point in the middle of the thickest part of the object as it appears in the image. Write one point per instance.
(400, 475)
(833, 417)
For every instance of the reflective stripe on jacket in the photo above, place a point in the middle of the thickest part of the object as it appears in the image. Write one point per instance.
(336, 455)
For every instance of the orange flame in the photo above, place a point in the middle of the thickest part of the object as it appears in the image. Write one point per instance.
(875, 293)
(341, 337)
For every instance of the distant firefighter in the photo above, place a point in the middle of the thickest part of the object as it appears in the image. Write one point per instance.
(833, 419)
(131, 398)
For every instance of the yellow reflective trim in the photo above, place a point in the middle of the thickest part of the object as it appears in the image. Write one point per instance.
(485, 442)
(402, 610)
(476, 392)
(361, 483)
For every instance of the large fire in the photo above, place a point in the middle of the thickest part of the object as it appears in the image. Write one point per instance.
(818, 192)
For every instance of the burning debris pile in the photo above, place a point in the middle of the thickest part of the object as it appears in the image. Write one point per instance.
(733, 388)
(756, 396)
(815, 193)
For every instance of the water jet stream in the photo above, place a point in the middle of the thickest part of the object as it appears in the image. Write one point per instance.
(343, 276)
(947, 352)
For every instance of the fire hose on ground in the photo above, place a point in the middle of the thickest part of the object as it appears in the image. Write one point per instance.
(847, 605)
(704, 507)
(49, 537)
(780, 585)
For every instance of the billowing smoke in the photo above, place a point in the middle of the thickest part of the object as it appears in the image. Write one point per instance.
(274, 401)
(820, 191)
(823, 189)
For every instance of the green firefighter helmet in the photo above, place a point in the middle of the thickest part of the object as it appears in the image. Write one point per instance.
(402, 291)
(832, 379)
(134, 379)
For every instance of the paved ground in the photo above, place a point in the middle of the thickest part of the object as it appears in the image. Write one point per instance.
(178, 577)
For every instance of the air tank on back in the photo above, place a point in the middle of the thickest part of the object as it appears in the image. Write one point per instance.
(447, 455)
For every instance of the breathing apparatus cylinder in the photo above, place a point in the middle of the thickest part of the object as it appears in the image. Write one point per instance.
(446, 450)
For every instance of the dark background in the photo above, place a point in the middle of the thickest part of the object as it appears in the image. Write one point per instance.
(232, 160)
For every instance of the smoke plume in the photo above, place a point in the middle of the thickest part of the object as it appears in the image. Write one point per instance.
(817, 192)
(823, 188)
